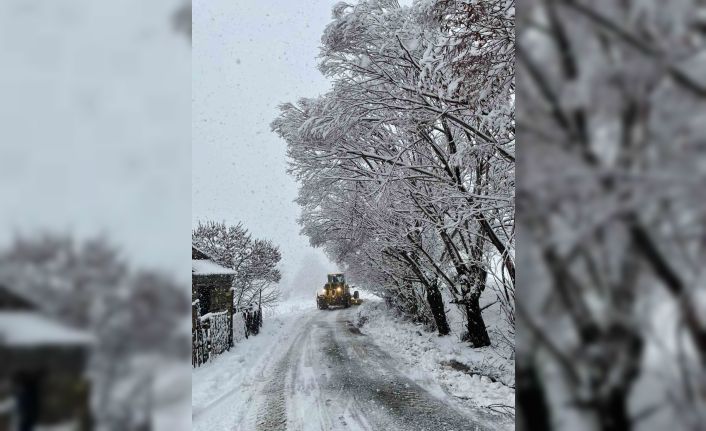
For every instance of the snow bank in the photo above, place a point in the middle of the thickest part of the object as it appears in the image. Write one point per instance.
(172, 397)
(448, 368)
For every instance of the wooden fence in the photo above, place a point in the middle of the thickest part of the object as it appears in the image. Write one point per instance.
(214, 333)
(211, 334)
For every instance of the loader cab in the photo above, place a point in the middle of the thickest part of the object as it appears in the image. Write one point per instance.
(336, 279)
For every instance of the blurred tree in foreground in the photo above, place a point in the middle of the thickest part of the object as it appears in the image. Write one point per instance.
(181, 20)
(612, 212)
(87, 285)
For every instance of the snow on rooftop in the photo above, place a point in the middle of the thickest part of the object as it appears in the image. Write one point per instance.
(209, 267)
(27, 329)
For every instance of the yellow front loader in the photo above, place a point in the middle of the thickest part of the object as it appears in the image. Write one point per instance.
(336, 293)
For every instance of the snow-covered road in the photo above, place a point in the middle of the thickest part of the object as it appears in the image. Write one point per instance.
(316, 371)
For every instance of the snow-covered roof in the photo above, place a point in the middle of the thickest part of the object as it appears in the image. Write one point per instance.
(209, 267)
(28, 329)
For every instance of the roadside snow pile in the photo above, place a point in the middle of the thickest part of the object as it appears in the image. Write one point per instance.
(443, 365)
(292, 305)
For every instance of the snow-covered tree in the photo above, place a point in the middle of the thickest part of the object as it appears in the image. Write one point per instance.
(404, 164)
(612, 120)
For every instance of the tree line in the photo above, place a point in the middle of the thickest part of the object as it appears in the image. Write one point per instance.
(406, 165)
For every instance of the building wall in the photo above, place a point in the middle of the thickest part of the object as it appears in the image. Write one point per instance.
(63, 393)
(198, 254)
(11, 301)
(213, 292)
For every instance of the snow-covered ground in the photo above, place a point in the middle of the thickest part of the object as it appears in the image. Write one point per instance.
(227, 380)
(311, 369)
(158, 385)
(172, 382)
(446, 367)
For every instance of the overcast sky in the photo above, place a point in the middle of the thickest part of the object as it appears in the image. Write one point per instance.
(250, 56)
(94, 126)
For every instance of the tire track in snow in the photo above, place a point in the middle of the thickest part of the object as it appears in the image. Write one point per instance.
(324, 374)
(341, 410)
(236, 407)
(305, 388)
(387, 398)
(272, 413)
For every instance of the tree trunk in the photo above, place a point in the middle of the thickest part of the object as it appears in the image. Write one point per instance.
(532, 406)
(231, 313)
(613, 414)
(436, 304)
(477, 333)
(259, 311)
(612, 406)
